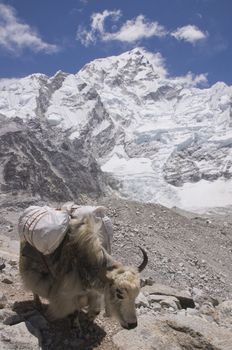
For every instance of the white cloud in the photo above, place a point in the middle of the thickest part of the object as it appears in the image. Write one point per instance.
(192, 80)
(131, 31)
(136, 29)
(189, 33)
(16, 36)
(97, 30)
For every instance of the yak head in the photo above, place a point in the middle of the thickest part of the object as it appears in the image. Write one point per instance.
(122, 288)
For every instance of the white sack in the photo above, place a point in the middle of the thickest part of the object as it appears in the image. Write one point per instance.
(43, 227)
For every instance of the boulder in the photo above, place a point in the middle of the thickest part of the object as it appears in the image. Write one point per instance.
(174, 332)
(141, 300)
(224, 313)
(3, 300)
(10, 317)
(183, 296)
(21, 337)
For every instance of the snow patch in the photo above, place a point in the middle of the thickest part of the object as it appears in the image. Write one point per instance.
(204, 195)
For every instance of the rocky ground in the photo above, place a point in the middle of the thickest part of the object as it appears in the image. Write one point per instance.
(185, 301)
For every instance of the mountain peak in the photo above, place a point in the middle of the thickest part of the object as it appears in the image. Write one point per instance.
(159, 136)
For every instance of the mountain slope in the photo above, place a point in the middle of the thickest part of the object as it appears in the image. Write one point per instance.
(162, 138)
(37, 162)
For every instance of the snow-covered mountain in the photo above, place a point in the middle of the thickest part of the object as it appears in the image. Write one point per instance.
(163, 139)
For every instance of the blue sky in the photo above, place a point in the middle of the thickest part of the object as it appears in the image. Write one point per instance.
(48, 35)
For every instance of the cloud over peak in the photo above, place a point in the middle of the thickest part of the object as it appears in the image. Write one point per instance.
(136, 29)
(131, 31)
(16, 35)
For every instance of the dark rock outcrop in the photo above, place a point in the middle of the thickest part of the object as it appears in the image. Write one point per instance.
(41, 161)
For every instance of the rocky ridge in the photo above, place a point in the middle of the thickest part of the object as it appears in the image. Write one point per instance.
(42, 164)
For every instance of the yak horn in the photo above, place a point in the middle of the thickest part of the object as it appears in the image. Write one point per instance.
(145, 260)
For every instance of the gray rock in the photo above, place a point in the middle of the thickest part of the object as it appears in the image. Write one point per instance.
(141, 300)
(4, 313)
(21, 337)
(13, 262)
(166, 301)
(3, 300)
(224, 313)
(200, 297)
(7, 280)
(207, 309)
(46, 164)
(159, 289)
(171, 302)
(9, 317)
(174, 332)
(146, 281)
(2, 264)
(156, 306)
(156, 298)
(192, 312)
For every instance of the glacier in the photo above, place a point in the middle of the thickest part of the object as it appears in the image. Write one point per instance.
(163, 139)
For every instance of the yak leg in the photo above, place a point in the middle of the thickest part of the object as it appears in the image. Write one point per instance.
(60, 308)
(76, 324)
(37, 301)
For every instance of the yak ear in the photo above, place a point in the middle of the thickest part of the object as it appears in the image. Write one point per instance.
(109, 276)
(113, 270)
(99, 211)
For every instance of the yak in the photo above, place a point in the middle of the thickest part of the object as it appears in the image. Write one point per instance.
(80, 272)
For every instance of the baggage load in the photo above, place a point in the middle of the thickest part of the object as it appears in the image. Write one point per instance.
(43, 227)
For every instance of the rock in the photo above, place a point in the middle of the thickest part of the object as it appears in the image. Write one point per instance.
(200, 297)
(7, 281)
(224, 313)
(156, 307)
(13, 262)
(4, 313)
(204, 334)
(192, 312)
(14, 246)
(21, 337)
(9, 317)
(141, 300)
(207, 309)
(156, 298)
(2, 264)
(171, 302)
(3, 300)
(160, 289)
(147, 281)
(174, 332)
(166, 301)
(18, 145)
